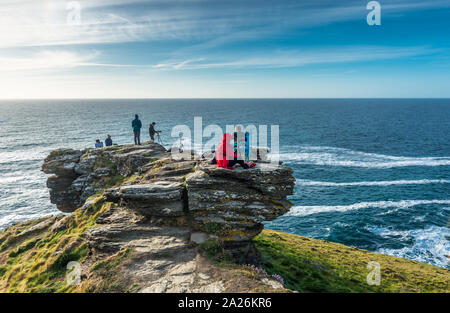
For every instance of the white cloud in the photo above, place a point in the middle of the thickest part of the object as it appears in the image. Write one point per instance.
(43, 22)
(196, 32)
(46, 60)
(65, 60)
(297, 58)
(177, 65)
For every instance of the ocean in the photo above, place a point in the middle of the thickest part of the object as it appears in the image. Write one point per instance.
(374, 174)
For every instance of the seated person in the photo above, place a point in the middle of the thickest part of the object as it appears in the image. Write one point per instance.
(98, 144)
(239, 139)
(226, 156)
(108, 141)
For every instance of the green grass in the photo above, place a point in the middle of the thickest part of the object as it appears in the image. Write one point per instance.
(113, 181)
(310, 265)
(37, 263)
(23, 247)
(105, 161)
(111, 263)
(214, 250)
(105, 274)
(213, 228)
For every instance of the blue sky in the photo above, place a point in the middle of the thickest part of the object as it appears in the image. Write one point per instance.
(215, 48)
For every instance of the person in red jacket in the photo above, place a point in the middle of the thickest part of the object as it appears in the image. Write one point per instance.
(225, 155)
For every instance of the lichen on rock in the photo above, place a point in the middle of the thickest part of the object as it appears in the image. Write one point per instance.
(142, 221)
(229, 205)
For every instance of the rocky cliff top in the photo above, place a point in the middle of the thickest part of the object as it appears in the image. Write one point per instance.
(142, 222)
(227, 204)
(139, 198)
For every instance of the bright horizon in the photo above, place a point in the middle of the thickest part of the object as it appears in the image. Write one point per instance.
(231, 98)
(197, 49)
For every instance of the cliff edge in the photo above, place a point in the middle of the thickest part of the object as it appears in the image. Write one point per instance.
(137, 220)
(139, 204)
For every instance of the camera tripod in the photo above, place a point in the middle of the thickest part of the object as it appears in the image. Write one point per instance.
(158, 139)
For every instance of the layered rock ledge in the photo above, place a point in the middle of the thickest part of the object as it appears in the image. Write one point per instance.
(154, 217)
(228, 205)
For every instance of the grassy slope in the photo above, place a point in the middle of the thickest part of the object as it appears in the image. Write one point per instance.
(310, 265)
(36, 262)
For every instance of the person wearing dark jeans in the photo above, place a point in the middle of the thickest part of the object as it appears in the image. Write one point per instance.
(137, 137)
(240, 162)
(136, 124)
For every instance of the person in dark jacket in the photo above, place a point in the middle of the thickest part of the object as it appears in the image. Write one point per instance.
(108, 141)
(136, 125)
(152, 131)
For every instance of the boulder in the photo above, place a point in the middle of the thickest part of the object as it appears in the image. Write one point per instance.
(62, 162)
(199, 237)
(130, 159)
(86, 164)
(161, 198)
(79, 174)
(232, 204)
(273, 180)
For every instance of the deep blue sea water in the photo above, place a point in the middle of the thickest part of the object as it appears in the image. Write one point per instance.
(374, 174)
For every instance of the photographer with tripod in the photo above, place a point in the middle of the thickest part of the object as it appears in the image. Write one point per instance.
(152, 132)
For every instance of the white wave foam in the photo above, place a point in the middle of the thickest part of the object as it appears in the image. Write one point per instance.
(23, 155)
(403, 204)
(430, 244)
(301, 182)
(332, 156)
(14, 218)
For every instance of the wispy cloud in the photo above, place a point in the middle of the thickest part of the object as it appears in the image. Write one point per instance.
(62, 60)
(43, 22)
(297, 58)
(47, 60)
(177, 65)
(164, 43)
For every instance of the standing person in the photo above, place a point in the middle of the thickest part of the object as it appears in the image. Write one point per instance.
(108, 141)
(98, 144)
(151, 131)
(137, 125)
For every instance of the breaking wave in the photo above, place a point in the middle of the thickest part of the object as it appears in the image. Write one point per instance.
(430, 245)
(301, 182)
(332, 156)
(403, 204)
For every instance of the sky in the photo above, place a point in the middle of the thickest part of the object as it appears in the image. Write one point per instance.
(223, 49)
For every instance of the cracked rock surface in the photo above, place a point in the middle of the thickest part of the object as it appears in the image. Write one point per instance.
(162, 209)
(229, 205)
